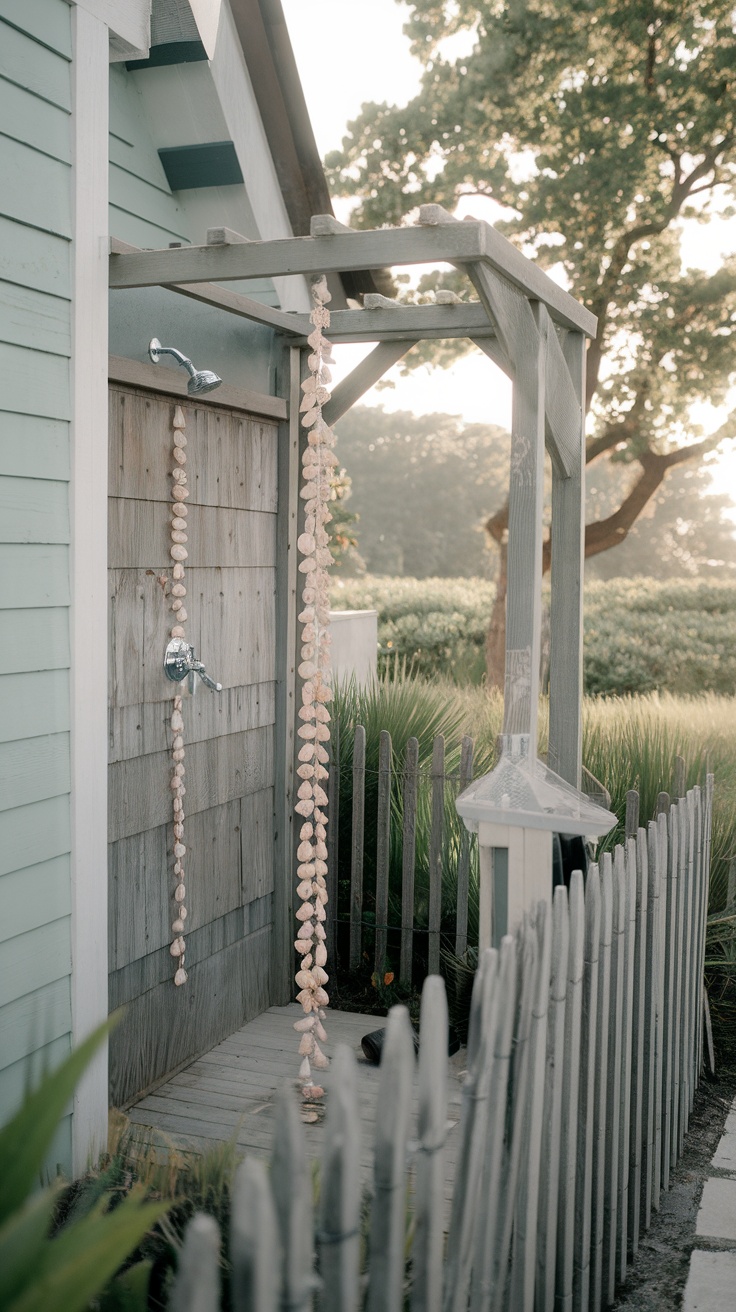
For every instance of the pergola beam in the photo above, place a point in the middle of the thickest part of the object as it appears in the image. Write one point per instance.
(407, 323)
(342, 251)
(363, 377)
(221, 298)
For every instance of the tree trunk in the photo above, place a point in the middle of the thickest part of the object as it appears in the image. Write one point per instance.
(496, 635)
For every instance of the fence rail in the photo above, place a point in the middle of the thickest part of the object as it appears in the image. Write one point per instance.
(584, 1054)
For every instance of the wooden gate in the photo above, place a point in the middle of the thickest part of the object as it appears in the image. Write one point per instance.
(231, 604)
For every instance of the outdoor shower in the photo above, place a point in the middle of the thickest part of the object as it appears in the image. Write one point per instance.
(200, 380)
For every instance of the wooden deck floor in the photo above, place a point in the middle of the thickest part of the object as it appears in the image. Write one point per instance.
(230, 1091)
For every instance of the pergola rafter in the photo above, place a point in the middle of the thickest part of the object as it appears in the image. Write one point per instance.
(528, 325)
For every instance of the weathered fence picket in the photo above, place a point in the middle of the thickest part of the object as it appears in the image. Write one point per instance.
(408, 858)
(584, 1051)
(357, 849)
(383, 850)
(435, 854)
(463, 864)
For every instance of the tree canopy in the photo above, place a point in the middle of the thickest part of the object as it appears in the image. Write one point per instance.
(422, 487)
(600, 128)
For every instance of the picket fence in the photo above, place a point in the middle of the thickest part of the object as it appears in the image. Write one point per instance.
(584, 1053)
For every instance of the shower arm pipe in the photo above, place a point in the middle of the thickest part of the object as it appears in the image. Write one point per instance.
(159, 350)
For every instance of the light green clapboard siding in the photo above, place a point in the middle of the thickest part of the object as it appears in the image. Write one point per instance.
(31, 960)
(33, 510)
(34, 639)
(32, 446)
(32, 704)
(32, 769)
(43, 126)
(47, 22)
(35, 259)
(26, 1073)
(143, 210)
(35, 343)
(132, 195)
(36, 188)
(34, 382)
(36, 1019)
(35, 833)
(31, 65)
(33, 574)
(33, 897)
(34, 319)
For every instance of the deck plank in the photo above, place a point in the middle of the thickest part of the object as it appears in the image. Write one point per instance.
(230, 1092)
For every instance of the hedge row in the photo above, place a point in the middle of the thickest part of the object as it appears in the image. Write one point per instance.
(641, 635)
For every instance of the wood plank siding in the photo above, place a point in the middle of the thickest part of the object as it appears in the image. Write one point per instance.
(35, 337)
(229, 737)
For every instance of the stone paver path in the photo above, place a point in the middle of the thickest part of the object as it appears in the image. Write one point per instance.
(711, 1284)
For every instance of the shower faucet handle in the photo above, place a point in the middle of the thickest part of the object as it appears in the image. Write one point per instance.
(180, 662)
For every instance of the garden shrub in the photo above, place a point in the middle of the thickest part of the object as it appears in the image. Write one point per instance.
(641, 635)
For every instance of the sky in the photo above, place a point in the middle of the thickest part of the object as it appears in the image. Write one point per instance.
(325, 35)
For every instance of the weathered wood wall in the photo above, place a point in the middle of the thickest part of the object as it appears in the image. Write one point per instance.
(231, 603)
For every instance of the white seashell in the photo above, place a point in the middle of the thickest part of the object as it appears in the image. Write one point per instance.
(179, 850)
(304, 889)
(179, 456)
(320, 954)
(306, 930)
(320, 867)
(182, 615)
(304, 808)
(321, 998)
(322, 713)
(179, 476)
(176, 783)
(304, 979)
(318, 1057)
(179, 439)
(306, 669)
(306, 870)
(177, 947)
(178, 755)
(179, 770)
(177, 604)
(304, 851)
(306, 1023)
(177, 804)
(305, 1070)
(320, 849)
(180, 510)
(178, 926)
(178, 536)
(177, 722)
(180, 893)
(321, 913)
(320, 796)
(178, 702)
(306, 999)
(305, 789)
(306, 771)
(179, 493)
(181, 976)
(311, 1091)
(307, 712)
(307, 731)
(178, 552)
(323, 733)
(306, 831)
(178, 571)
(306, 1045)
(179, 421)
(320, 831)
(303, 945)
(319, 975)
(178, 589)
(306, 543)
(306, 753)
(183, 913)
(319, 932)
(322, 897)
(178, 831)
(305, 912)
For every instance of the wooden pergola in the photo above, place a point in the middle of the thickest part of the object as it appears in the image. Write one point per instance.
(532, 329)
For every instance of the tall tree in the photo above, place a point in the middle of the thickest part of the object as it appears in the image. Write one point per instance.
(601, 126)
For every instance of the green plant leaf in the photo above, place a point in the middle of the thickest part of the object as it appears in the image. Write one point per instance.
(78, 1263)
(22, 1239)
(25, 1140)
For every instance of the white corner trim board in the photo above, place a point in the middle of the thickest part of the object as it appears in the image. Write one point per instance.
(128, 20)
(89, 571)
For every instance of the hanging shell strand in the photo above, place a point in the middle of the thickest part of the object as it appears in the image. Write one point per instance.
(179, 512)
(318, 462)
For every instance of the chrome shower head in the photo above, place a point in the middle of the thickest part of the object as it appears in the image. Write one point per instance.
(200, 380)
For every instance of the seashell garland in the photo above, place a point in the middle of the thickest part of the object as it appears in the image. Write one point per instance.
(178, 554)
(318, 462)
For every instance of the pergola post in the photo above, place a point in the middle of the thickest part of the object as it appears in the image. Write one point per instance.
(566, 605)
(526, 499)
